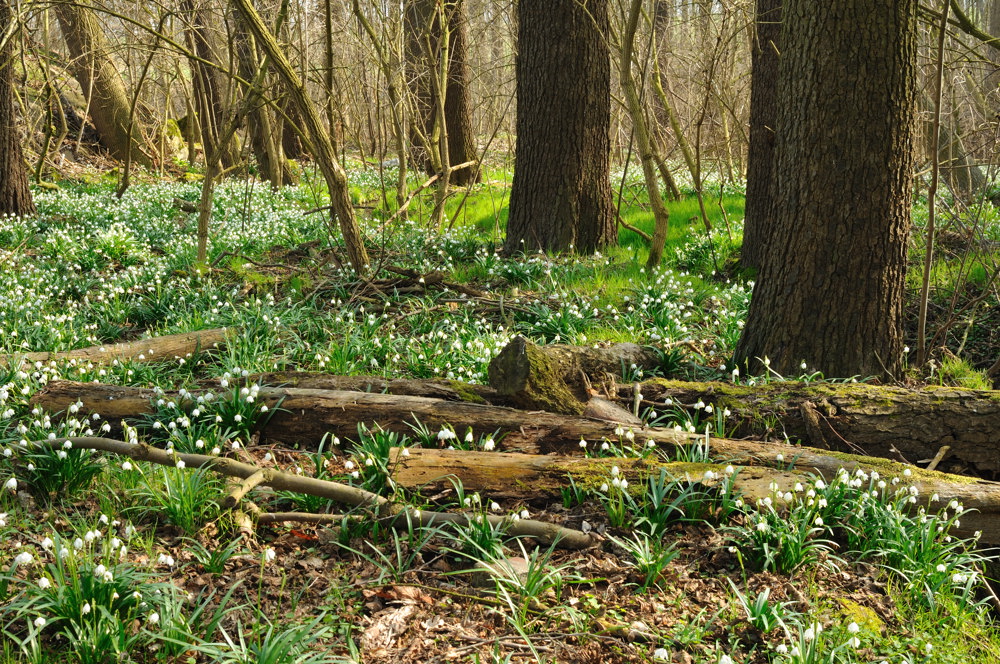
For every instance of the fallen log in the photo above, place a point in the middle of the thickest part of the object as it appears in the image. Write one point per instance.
(561, 378)
(449, 390)
(154, 349)
(530, 476)
(912, 426)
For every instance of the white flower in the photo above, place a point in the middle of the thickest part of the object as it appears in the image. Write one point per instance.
(725, 659)
(127, 465)
(853, 628)
(24, 558)
(781, 649)
(269, 555)
(154, 617)
(941, 568)
(525, 514)
(489, 445)
(661, 653)
(86, 608)
(11, 485)
(583, 443)
(44, 583)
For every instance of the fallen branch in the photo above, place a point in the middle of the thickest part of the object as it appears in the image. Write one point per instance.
(548, 533)
(154, 349)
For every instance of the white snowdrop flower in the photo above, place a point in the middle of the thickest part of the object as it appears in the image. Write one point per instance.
(369, 461)
(583, 443)
(86, 608)
(854, 642)
(11, 485)
(761, 526)
(405, 452)
(46, 543)
(928, 647)
(730, 470)
(794, 651)
(780, 458)
(709, 475)
(941, 568)
(820, 484)
(788, 497)
(100, 570)
(853, 628)
(44, 583)
(661, 654)
(957, 578)
(650, 444)
(115, 543)
(23, 558)
(604, 487)
(180, 463)
(818, 521)
(907, 472)
(605, 446)
(468, 436)
(489, 445)
(953, 505)
(154, 618)
(237, 418)
(629, 435)
(798, 487)
(619, 431)
(616, 483)
(348, 465)
(89, 536)
(822, 503)
(264, 408)
(31, 466)
(356, 474)
(525, 514)
(614, 471)
(624, 484)
(216, 451)
(236, 445)
(781, 649)
(269, 555)
(39, 622)
(699, 405)
(709, 408)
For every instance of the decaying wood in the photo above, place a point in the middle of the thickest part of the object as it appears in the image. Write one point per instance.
(449, 390)
(872, 420)
(562, 378)
(155, 349)
(548, 533)
(529, 476)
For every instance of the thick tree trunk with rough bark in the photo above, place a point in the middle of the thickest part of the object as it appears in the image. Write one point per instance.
(758, 229)
(93, 68)
(561, 195)
(15, 196)
(830, 292)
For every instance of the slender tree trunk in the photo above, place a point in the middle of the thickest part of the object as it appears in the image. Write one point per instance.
(561, 196)
(324, 151)
(15, 196)
(424, 49)
(758, 228)
(212, 95)
(95, 71)
(830, 291)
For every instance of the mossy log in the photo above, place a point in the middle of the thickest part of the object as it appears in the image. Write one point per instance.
(874, 420)
(449, 390)
(532, 476)
(154, 349)
(560, 378)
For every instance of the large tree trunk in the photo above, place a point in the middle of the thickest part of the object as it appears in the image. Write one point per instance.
(212, 94)
(93, 68)
(15, 196)
(830, 292)
(561, 195)
(423, 51)
(758, 229)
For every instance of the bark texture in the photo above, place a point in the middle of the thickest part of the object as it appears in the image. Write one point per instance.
(561, 195)
(155, 349)
(758, 231)
(15, 196)
(830, 292)
(212, 95)
(423, 51)
(94, 69)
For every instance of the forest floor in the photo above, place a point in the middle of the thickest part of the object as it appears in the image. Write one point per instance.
(102, 558)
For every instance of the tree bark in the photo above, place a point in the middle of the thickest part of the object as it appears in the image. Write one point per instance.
(423, 49)
(758, 227)
(15, 196)
(561, 195)
(93, 68)
(830, 293)
(562, 378)
(324, 151)
(211, 90)
(155, 349)
(531, 476)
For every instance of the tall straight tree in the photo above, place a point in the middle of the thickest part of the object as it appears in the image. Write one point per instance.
(427, 23)
(15, 197)
(757, 227)
(829, 292)
(561, 196)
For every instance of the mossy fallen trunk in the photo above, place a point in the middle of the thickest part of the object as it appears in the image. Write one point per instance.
(561, 378)
(874, 420)
(531, 476)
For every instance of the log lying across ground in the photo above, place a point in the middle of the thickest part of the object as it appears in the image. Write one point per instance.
(155, 349)
(305, 416)
(873, 420)
(531, 476)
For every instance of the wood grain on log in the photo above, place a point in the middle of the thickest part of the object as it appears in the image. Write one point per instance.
(872, 420)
